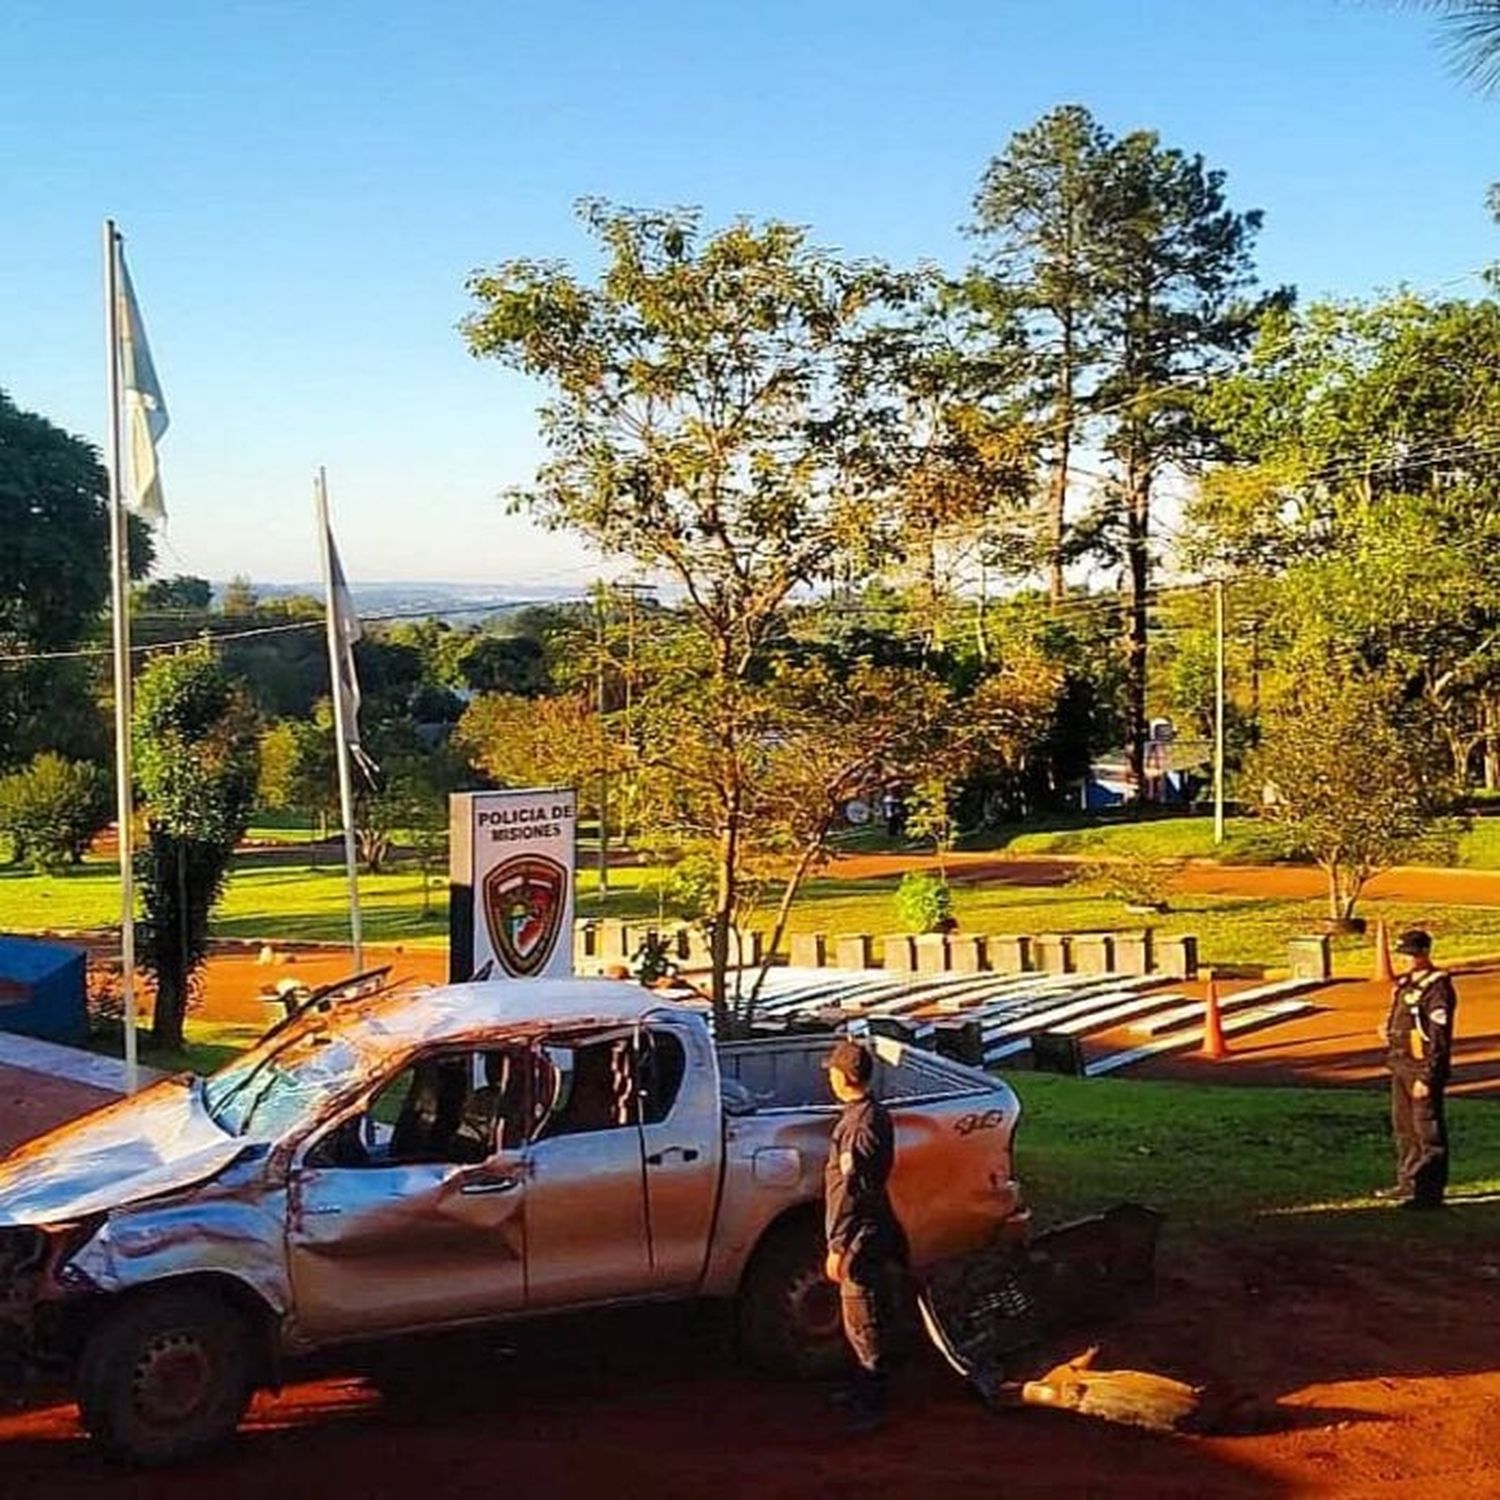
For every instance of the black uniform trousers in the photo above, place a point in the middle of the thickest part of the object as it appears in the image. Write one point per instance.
(869, 1300)
(1420, 1127)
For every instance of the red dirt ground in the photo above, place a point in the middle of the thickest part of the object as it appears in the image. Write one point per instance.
(1414, 885)
(1348, 1378)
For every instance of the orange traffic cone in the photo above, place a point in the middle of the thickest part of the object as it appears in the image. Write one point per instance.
(1213, 1023)
(1383, 972)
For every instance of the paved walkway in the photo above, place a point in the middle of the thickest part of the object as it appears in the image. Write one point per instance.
(32, 1103)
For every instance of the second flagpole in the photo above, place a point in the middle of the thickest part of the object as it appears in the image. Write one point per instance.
(340, 729)
(119, 575)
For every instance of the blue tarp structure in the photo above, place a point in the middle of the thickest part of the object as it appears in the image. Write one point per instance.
(42, 989)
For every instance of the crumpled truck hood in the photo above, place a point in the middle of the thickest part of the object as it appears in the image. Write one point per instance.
(160, 1141)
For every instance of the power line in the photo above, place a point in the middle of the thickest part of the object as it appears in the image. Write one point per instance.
(215, 636)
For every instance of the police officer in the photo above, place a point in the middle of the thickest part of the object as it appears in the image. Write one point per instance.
(866, 1245)
(1419, 1040)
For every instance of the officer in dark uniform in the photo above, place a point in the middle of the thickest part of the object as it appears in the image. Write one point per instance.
(1419, 1040)
(866, 1245)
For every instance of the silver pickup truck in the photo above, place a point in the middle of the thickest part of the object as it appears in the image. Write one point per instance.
(427, 1159)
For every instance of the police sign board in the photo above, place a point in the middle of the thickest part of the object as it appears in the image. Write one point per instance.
(510, 883)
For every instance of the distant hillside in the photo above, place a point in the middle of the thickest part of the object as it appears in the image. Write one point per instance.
(466, 601)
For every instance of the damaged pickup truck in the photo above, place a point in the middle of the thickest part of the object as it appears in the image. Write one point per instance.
(426, 1159)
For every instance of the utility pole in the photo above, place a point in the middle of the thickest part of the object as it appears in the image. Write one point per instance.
(1219, 613)
(603, 755)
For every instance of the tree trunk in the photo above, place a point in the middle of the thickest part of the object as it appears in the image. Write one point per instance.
(168, 958)
(783, 911)
(1138, 561)
(1057, 495)
(1057, 487)
(722, 925)
(1335, 892)
(981, 606)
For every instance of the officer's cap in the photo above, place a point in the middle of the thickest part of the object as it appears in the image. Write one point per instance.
(852, 1060)
(1414, 941)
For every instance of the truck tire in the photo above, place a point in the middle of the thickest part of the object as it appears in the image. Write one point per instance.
(165, 1376)
(788, 1310)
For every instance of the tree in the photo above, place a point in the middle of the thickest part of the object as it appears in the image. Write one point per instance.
(239, 598)
(54, 576)
(1362, 440)
(182, 593)
(52, 809)
(1036, 209)
(298, 770)
(1175, 268)
(724, 408)
(514, 664)
(195, 760)
(1341, 775)
(537, 742)
(1473, 35)
(1132, 275)
(411, 799)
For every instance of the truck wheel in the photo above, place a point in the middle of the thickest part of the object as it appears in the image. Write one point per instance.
(788, 1313)
(165, 1376)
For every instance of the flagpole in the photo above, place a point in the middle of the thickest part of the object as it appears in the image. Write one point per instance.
(119, 549)
(340, 731)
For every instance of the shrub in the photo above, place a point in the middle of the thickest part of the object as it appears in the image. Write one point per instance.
(924, 903)
(52, 808)
(1137, 881)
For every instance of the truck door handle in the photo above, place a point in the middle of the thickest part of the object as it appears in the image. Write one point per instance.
(489, 1185)
(658, 1158)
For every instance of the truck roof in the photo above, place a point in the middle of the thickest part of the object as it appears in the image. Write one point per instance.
(458, 1011)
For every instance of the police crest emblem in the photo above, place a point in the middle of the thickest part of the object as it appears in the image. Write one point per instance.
(524, 899)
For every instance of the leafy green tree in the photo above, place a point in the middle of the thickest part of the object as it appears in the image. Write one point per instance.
(196, 764)
(513, 664)
(298, 771)
(51, 810)
(182, 594)
(54, 580)
(924, 902)
(1342, 776)
(239, 598)
(410, 802)
(1133, 277)
(1175, 277)
(1038, 213)
(1363, 445)
(723, 408)
(539, 742)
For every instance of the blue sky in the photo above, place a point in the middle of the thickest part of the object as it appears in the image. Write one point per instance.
(304, 186)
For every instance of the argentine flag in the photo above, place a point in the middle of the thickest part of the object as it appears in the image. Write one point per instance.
(145, 406)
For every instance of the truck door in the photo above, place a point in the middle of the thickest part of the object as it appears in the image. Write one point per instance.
(586, 1232)
(408, 1213)
(681, 1125)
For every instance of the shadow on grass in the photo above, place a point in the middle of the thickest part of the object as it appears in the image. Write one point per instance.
(203, 1053)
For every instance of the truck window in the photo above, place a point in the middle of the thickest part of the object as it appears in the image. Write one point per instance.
(427, 1113)
(596, 1088)
(663, 1064)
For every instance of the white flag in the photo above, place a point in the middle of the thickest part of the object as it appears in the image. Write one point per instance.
(347, 631)
(145, 406)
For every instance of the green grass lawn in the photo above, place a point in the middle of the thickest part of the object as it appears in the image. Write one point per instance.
(1247, 841)
(1220, 1158)
(287, 901)
(1230, 930)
